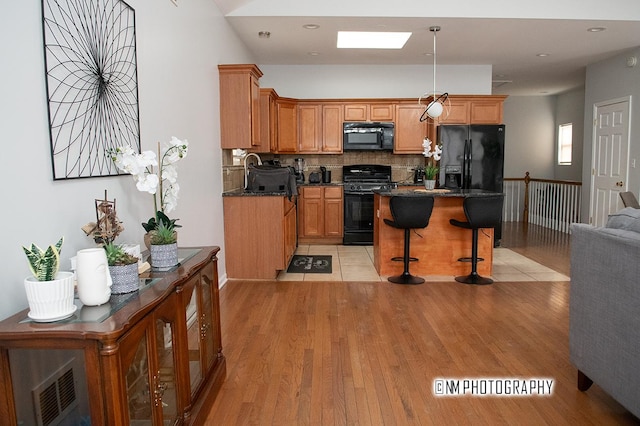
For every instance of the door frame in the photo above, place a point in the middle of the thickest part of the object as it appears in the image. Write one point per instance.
(594, 129)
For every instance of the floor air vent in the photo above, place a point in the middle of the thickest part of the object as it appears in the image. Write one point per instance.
(55, 397)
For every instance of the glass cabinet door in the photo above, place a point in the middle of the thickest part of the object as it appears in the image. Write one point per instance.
(165, 395)
(194, 331)
(137, 378)
(148, 357)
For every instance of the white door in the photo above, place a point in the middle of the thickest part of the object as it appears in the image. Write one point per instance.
(610, 158)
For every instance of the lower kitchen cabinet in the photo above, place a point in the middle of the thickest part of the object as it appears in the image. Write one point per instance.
(151, 357)
(320, 210)
(259, 235)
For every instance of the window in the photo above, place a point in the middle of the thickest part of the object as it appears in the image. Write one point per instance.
(565, 143)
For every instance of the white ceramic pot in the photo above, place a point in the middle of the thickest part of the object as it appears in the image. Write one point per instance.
(94, 279)
(429, 184)
(50, 300)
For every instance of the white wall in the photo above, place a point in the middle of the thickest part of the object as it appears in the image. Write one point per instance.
(529, 136)
(607, 80)
(178, 50)
(570, 109)
(374, 81)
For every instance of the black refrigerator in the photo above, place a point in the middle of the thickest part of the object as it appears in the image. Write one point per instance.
(472, 158)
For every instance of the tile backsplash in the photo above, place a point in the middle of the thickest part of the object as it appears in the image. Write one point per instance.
(402, 165)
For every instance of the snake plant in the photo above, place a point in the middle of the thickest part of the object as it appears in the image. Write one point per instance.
(44, 264)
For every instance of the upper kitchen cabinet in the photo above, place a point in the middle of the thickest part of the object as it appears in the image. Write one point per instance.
(409, 130)
(287, 119)
(320, 128)
(332, 118)
(374, 111)
(240, 106)
(268, 122)
(474, 110)
(309, 128)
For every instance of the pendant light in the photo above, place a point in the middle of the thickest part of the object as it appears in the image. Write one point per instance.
(439, 103)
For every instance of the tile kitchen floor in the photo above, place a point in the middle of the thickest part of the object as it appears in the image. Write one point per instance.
(355, 263)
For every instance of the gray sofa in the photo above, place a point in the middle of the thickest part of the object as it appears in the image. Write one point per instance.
(604, 310)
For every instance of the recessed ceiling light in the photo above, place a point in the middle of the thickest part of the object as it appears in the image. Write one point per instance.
(264, 34)
(596, 29)
(372, 40)
(311, 26)
(543, 55)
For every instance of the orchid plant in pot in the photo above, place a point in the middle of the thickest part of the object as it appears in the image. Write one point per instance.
(431, 169)
(156, 175)
(49, 291)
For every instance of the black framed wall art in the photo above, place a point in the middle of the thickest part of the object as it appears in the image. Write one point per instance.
(92, 84)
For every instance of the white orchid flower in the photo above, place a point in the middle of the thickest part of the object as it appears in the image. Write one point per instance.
(141, 167)
(175, 150)
(170, 173)
(147, 183)
(170, 198)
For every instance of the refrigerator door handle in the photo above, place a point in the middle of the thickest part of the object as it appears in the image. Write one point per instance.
(466, 169)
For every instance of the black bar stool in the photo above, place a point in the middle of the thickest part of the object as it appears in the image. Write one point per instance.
(409, 212)
(481, 212)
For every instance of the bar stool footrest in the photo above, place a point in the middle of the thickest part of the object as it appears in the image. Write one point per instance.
(401, 259)
(469, 259)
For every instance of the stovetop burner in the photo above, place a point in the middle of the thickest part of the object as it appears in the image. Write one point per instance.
(366, 177)
(366, 173)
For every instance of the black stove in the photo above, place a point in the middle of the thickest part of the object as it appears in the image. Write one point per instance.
(360, 181)
(366, 177)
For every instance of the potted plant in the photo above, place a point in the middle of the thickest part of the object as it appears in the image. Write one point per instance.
(123, 268)
(431, 169)
(164, 246)
(49, 291)
(430, 173)
(161, 182)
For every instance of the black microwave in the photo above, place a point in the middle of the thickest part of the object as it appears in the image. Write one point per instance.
(367, 136)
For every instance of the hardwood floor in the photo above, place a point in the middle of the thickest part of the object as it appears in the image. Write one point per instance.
(365, 353)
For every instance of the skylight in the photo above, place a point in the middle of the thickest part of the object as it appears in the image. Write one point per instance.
(372, 40)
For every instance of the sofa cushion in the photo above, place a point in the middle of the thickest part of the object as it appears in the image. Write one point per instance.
(627, 219)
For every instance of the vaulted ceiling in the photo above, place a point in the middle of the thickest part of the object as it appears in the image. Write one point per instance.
(506, 36)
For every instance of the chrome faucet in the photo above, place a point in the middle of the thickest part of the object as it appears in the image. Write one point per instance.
(246, 170)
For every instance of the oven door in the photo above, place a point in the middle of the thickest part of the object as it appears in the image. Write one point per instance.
(358, 218)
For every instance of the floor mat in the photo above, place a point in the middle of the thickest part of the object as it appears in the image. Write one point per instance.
(310, 264)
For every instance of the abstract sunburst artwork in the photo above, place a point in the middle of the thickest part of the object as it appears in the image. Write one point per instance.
(92, 84)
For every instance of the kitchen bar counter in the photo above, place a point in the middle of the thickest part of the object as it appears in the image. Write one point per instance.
(442, 243)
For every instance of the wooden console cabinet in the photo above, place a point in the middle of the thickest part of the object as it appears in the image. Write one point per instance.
(151, 357)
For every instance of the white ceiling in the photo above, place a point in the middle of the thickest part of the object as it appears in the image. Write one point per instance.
(506, 37)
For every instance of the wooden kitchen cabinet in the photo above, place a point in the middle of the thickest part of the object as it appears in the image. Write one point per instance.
(128, 361)
(239, 106)
(474, 110)
(409, 131)
(309, 128)
(287, 122)
(268, 122)
(319, 128)
(369, 111)
(259, 234)
(332, 119)
(320, 210)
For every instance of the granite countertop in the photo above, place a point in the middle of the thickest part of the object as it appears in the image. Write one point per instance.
(438, 192)
(241, 192)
